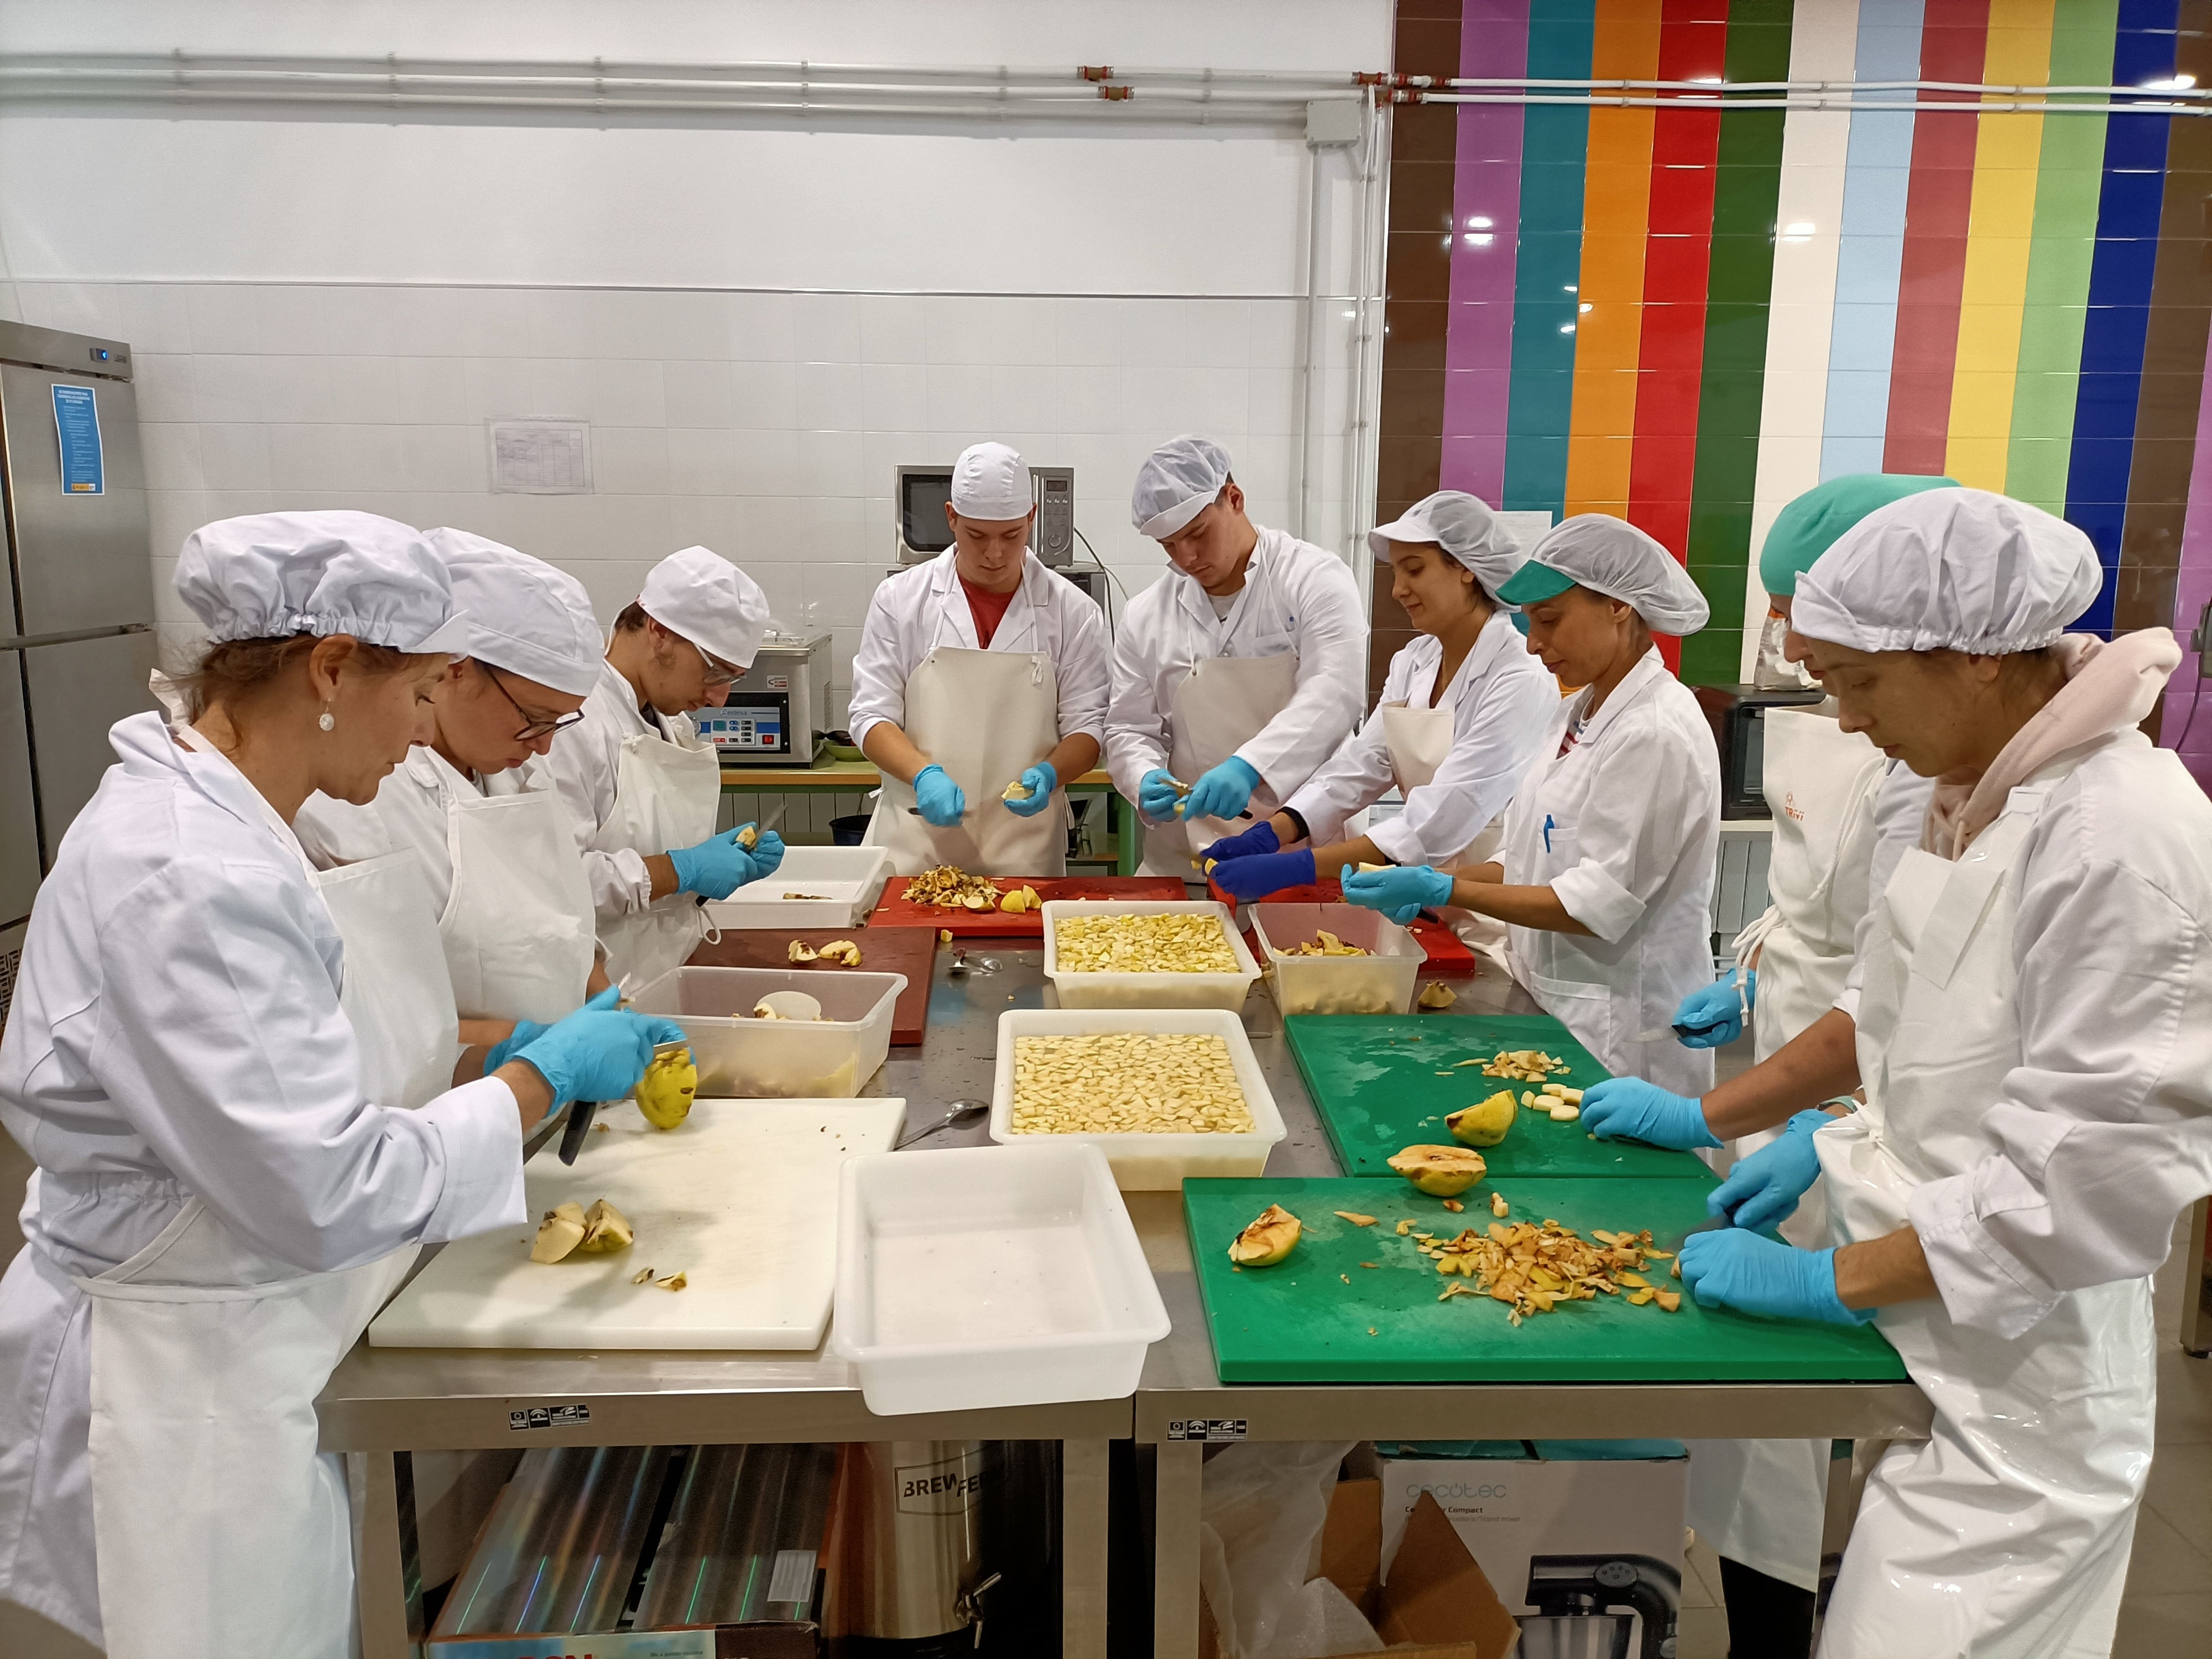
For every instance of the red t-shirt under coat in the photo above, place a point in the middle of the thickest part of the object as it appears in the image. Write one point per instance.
(989, 610)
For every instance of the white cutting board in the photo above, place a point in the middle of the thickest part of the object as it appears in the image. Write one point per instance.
(742, 1198)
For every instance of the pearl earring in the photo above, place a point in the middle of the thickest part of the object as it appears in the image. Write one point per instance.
(327, 722)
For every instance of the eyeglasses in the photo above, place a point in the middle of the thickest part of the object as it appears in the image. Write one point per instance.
(718, 673)
(533, 725)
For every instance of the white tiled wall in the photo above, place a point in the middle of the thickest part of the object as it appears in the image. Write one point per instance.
(765, 425)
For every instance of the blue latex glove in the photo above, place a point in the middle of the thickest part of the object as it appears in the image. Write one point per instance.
(1763, 1188)
(1738, 1269)
(1246, 844)
(942, 801)
(715, 868)
(1268, 872)
(1401, 892)
(598, 1053)
(1040, 780)
(1716, 1013)
(527, 1031)
(1223, 792)
(1629, 1109)
(1156, 794)
(767, 854)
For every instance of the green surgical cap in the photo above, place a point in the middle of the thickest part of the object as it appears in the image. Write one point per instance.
(1810, 525)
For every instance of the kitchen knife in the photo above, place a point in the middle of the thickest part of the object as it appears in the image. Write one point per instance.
(1670, 1033)
(580, 1113)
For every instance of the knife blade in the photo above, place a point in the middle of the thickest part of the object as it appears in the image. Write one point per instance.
(1672, 1033)
(580, 1113)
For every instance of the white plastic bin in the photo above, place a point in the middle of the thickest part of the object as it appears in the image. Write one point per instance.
(986, 1276)
(1379, 984)
(848, 880)
(1147, 990)
(741, 1056)
(1147, 1163)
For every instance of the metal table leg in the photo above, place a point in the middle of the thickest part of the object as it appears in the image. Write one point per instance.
(1176, 1489)
(1083, 1537)
(380, 1572)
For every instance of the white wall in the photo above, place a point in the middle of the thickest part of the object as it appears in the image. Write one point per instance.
(759, 323)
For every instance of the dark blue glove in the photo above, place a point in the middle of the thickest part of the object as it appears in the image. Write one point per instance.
(1629, 1109)
(1401, 892)
(598, 1053)
(1223, 791)
(715, 868)
(1156, 794)
(1763, 1189)
(1260, 839)
(942, 801)
(767, 853)
(1040, 780)
(1267, 872)
(1715, 1014)
(1734, 1268)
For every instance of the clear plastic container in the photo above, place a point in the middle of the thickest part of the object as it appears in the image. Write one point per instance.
(986, 1276)
(848, 880)
(1147, 1163)
(739, 1057)
(1381, 983)
(1164, 990)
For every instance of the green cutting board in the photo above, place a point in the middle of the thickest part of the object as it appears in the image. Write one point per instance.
(1301, 1322)
(1374, 1080)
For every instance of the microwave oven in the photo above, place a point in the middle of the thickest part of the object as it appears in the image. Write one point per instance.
(1737, 714)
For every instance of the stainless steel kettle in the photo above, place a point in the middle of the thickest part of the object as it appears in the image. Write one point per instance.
(912, 1576)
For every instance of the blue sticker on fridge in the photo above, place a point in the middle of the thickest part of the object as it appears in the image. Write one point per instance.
(76, 425)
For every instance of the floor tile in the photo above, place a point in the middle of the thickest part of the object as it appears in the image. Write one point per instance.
(2165, 1627)
(2185, 1399)
(2164, 1562)
(2180, 1491)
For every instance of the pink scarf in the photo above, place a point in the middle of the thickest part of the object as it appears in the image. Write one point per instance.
(2108, 687)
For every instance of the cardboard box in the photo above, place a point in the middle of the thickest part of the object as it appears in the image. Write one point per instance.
(1571, 1499)
(1438, 1605)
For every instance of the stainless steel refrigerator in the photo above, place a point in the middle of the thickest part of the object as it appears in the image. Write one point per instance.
(76, 608)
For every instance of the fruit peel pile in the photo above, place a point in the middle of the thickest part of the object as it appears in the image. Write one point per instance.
(948, 887)
(1534, 1266)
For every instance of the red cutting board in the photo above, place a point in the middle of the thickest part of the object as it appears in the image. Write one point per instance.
(909, 950)
(1448, 955)
(894, 910)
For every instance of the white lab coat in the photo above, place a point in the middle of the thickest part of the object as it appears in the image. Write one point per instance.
(925, 607)
(1623, 828)
(1298, 599)
(176, 1033)
(1502, 701)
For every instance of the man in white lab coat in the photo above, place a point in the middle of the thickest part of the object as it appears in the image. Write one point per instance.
(1236, 673)
(979, 689)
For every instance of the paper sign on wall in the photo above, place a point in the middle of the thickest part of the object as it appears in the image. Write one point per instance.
(541, 456)
(76, 426)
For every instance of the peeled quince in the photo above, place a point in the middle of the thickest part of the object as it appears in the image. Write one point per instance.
(559, 1233)
(1267, 1240)
(664, 1093)
(1485, 1123)
(1439, 1171)
(605, 1230)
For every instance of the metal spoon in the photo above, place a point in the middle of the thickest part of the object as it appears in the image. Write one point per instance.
(963, 1112)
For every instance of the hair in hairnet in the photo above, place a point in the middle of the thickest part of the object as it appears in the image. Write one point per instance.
(1808, 527)
(1463, 528)
(1612, 557)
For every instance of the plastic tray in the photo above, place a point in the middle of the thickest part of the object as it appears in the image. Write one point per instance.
(1379, 984)
(1147, 1163)
(849, 879)
(989, 1276)
(1147, 990)
(741, 1056)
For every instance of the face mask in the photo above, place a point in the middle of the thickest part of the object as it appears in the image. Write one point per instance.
(1770, 672)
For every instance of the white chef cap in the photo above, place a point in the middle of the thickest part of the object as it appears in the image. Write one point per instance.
(989, 480)
(524, 616)
(1611, 556)
(1949, 571)
(1468, 531)
(709, 601)
(1178, 481)
(269, 575)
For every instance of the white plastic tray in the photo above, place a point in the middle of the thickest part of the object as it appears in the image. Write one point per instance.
(1147, 1163)
(1379, 984)
(850, 879)
(739, 1057)
(1147, 990)
(986, 1276)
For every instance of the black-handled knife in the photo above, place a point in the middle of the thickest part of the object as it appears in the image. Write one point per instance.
(580, 1113)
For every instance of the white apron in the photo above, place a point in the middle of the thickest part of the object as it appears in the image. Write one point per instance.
(2006, 1534)
(986, 717)
(1418, 742)
(221, 1529)
(668, 792)
(518, 929)
(1222, 703)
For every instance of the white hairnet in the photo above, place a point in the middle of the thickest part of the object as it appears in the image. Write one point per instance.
(1612, 557)
(990, 480)
(1949, 571)
(269, 576)
(1178, 481)
(524, 616)
(709, 601)
(1464, 528)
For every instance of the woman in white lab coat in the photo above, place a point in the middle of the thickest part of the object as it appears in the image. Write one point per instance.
(1462, 712)
(1237, 673)
(226, 1191)
(2030, 1017)
(506, 883)
(643, 790)
(1605, 874)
